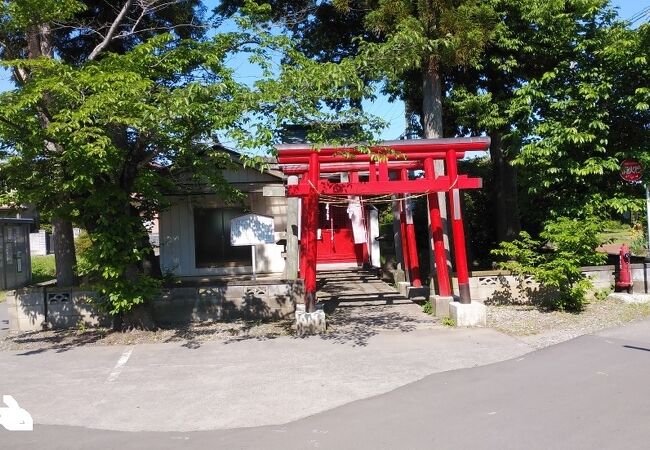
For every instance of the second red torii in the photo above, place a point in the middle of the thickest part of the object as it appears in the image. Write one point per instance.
(388, 166)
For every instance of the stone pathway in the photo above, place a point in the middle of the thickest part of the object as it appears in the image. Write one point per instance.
(359, 305)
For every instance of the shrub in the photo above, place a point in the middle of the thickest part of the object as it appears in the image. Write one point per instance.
(555, 260)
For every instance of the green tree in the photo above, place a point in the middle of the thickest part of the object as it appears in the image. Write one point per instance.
(405, 45)
(588, 114)
(78, 32)
(531, 39)
(430, 38)
(125, 127)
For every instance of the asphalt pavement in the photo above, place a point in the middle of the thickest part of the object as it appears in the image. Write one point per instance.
(591, 392)
(218, 385)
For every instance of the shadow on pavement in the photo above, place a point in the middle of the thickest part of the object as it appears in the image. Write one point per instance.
(357, 303)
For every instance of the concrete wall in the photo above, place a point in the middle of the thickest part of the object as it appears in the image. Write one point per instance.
(26, 309)
(485, 285)
(246, 300)
(641, 277)
(38, 308)
(177, 254)
(33, 309)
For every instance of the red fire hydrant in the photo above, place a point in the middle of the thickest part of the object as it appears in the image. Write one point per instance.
(624, 273)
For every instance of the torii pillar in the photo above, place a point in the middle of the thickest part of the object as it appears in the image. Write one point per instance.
(403, 156)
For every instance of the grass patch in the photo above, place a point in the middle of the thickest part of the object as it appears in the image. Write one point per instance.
(448, 322)
(617, 233)
(633, 236)
(43, 268)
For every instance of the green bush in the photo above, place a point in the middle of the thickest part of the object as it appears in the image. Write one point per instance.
(43, 268)
(110, 269)
(555, 260)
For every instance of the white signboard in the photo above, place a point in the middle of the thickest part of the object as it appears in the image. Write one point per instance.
(251, 229)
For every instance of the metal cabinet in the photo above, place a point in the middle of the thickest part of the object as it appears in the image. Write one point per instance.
(15, 263)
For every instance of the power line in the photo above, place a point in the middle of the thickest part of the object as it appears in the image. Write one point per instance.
(640, 15)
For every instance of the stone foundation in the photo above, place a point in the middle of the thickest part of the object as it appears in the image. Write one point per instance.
(262, 299)
(46, 307)
(468, 315)
(26, 309)
(629, 298)
(310, 323)
(441, 305)
(502, 287)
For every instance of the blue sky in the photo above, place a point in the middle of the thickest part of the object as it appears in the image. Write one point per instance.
(393, 113)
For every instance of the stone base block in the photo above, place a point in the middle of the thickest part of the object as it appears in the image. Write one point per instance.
(399, 276)
(441, 305)
(402, 288)
(468, 315)
(310, 323)
(629, 298)
(421, 292)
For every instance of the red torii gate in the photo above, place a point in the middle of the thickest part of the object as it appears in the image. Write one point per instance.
(387, 167)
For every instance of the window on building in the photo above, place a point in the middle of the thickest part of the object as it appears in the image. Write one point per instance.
(212, 239)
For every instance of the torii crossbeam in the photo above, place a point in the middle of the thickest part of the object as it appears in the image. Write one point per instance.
(391, 167)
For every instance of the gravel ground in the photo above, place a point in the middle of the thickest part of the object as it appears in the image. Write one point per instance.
(541, 329)
(356, 310)
(191, 335)
(347, 324)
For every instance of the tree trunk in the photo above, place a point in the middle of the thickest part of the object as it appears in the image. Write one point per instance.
(39, 45)
(138, 317)
(431, 101)
(432, 127)
(64, 252)
(508, 224)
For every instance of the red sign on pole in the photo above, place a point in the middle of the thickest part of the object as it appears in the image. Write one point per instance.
(631, 170)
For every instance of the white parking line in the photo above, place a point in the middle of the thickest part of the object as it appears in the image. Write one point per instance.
(120, 365)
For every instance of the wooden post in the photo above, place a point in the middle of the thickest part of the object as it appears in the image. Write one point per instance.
(372, 172)
(292, 248)
(413, 263)
(383, 171)
(413, 248)
(457, 228)
(310, 228)
(406, 264)
(303, 237)
(440, 253)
